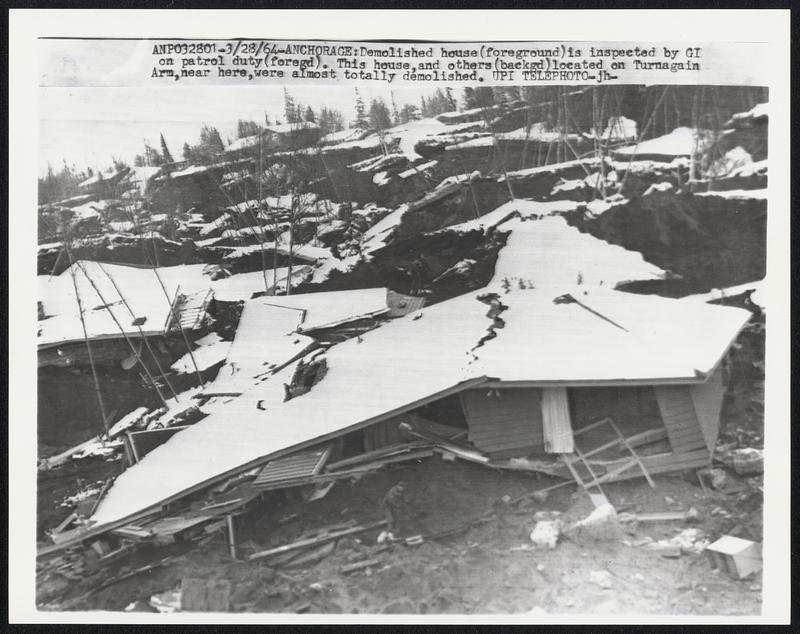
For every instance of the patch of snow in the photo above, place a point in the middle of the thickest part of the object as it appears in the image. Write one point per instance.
(658, 187)
(323, 271)
(412, 132)
(417, 169)
(737, 194)
(756, 112)
(127, 421)
(619, 129)
(380, 179)
(734, 159)
(375, 237)
(598, 207)
(751, 169)
(681, 141)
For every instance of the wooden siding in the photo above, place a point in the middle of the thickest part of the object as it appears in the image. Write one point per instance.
(557, 428)
(707, 398)
(384, 434)
(680, 418)
(509, 424)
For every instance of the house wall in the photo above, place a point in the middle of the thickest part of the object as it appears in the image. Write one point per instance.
(680, 418)
(506, 424)
(707, 398)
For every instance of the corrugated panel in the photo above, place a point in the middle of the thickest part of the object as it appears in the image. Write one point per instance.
(510, 422)
(300, 465)
(557, 429)
(707, 398)
(680, 418)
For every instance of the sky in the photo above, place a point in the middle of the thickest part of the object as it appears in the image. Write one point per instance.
(97, 101)
(87, 125)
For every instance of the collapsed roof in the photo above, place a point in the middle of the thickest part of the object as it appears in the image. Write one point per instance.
(575, 335)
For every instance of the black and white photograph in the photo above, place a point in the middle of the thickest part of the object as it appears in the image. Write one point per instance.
(371, 329)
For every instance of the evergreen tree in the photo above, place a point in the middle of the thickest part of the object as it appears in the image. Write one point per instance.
(484, 97)
(330, 120)
(151, 156)
(451, 102)
(166, 156)
(361, 121)
(309, 115)
(379, 117)
(246, 128)
(470, 100)
(187, 151)
(138, 161)
(289, 107)
(407, 113)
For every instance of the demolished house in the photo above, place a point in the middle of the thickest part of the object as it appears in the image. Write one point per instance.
(550, 375)
(110, 303)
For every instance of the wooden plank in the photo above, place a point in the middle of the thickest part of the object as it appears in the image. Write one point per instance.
(633, 453)
(583, 430)
(376, 453)
(305, 543)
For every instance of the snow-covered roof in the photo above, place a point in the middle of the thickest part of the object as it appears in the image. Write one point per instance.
(549, 252)
(270, 331)
(567, 335)
(243, 285)
(342, 136)
(139, 286)
(244, 142)
(266, 340)
(328, 309)
(100, 176)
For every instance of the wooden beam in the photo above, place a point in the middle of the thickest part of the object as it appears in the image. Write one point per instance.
(305, 543)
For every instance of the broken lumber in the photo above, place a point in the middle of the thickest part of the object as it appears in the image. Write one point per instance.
(360, 565)
(461, 452)
(375, 453)
(668, 516)
(316, 540)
